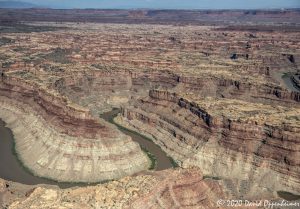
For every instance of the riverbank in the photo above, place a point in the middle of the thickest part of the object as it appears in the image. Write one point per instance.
(155, 153)
(12, 168)
(56, 155)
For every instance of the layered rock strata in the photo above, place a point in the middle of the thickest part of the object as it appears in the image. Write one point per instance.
(231, 114)
(59, 140)
(119, 86)
(211, 61)
(165, 189)
(181, 189)
(258, 143)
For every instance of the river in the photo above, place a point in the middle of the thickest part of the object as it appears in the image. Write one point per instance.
(162, 160)
(11, 168)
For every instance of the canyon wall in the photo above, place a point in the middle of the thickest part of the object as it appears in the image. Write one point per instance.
(118, 87)
(62, 141)
(225, 138)
(187, 137)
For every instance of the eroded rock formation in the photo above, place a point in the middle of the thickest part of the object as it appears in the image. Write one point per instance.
(164, 189)
(59, 140)
(235, 118)
(256, 142)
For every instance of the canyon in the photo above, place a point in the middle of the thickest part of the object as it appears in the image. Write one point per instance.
(221, 102)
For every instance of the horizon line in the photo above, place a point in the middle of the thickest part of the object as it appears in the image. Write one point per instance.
(185, 9)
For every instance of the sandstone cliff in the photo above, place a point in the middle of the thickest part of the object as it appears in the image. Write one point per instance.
(62, 141)
(257, 143)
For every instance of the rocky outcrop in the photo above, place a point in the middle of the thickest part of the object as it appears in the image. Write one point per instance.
(253, 140)
(72, 146)
(118, 86)
(182, 188)
(296, 79)
(64, 115)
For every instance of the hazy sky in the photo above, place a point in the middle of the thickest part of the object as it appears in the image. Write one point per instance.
(171, 4)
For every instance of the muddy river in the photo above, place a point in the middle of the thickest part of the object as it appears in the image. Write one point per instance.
(12, 169)
(162, 160)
